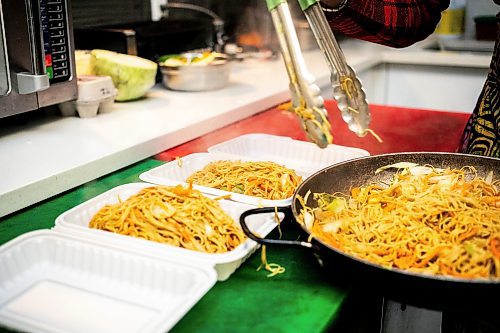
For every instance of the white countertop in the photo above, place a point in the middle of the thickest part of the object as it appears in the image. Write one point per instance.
(48, 156)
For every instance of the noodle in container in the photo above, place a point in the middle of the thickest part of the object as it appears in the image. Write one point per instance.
(175, 215)
(218, 243)
(250, 181)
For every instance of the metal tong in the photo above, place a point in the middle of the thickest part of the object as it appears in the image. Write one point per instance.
(306, 100)
(347, 88)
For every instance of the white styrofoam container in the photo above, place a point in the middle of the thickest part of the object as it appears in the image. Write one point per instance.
(297, 154)
(176, 172)
(58, 282)
(303, 157)
(76, 221)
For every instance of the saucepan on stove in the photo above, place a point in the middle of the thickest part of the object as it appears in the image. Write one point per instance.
(408, 284)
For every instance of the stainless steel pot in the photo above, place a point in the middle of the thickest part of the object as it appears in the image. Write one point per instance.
(212, 76)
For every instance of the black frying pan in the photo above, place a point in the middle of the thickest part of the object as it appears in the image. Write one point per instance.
(437, 292)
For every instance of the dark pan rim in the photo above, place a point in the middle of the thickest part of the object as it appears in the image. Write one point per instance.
(361, 261)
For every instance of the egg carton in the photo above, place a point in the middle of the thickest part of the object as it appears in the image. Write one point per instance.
(96, 94)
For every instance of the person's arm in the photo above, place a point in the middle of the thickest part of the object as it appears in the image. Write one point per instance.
(396, 23)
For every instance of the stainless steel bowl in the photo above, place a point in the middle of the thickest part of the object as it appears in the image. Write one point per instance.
(192, 77)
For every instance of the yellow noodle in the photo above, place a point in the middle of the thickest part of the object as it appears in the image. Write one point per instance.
(375, 135)
(174, 215)
(266, 180)
(347, 86)
(273, 268)
(446, 222)
(308, 115)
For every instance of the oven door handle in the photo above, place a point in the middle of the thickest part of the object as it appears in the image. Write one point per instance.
(38, 80)
(28, 83)
(5, 84)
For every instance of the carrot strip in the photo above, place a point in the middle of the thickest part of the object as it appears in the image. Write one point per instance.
(495, 246)
(430, 255)
(466, 235)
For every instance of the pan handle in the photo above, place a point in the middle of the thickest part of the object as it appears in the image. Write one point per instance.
(288, 215)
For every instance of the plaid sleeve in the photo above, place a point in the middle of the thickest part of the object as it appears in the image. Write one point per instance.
(396, 23)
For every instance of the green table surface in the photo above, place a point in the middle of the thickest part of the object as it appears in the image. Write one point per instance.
(300, 300)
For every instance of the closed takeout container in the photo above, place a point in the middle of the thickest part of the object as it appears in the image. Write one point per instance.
(55, 281)
(304, 158)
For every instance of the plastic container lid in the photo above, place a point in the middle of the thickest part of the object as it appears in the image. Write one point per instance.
(59, 282)
(295, 154)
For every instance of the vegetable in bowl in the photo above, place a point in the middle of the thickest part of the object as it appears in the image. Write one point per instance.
(197, 58)
(195, 71)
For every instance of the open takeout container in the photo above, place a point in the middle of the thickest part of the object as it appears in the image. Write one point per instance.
(77, 279)
(303, 157)
(76, 220)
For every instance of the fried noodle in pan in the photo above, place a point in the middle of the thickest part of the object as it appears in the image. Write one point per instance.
(178, 216)
(426, 220)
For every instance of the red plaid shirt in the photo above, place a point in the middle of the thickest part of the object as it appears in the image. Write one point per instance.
(396, 23)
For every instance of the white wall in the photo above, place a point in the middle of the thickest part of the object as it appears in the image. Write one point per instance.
(445, 88)
(434, 87)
